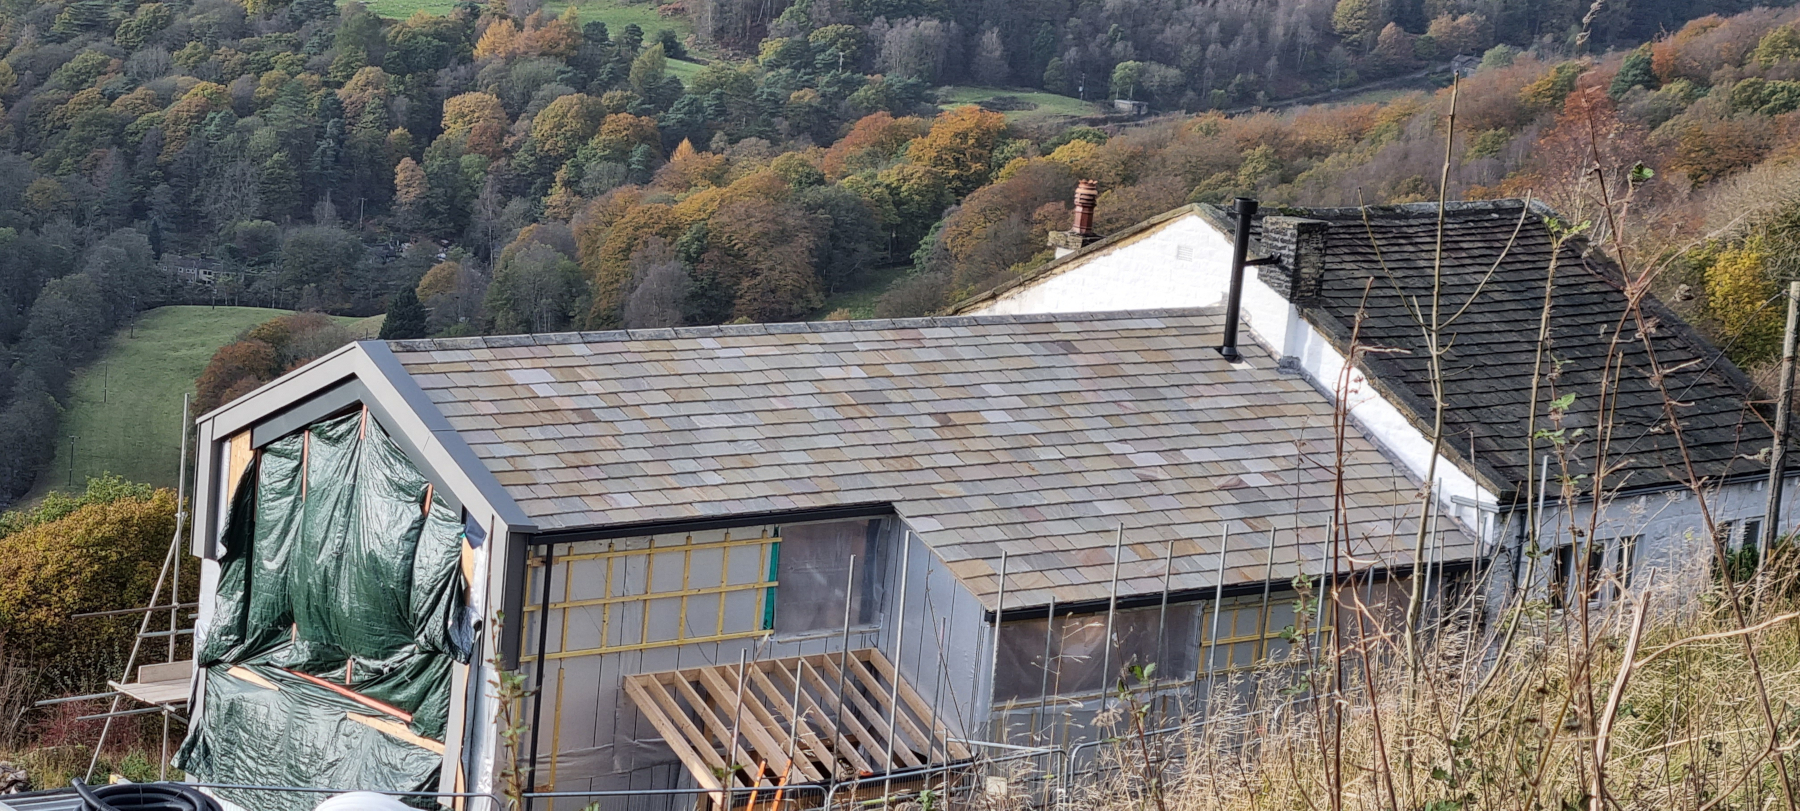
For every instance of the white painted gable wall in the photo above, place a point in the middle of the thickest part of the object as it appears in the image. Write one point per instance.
(1145, 273)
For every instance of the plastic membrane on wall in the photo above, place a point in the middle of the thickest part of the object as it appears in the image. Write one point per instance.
(338, 615)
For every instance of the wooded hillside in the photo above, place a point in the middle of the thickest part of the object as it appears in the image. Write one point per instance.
(503, 168)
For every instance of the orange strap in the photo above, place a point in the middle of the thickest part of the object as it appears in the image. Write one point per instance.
(359, 698)
(780, 787)
(305, 454)
(756, 785)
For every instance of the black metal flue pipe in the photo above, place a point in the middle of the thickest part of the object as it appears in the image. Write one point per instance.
(1245, 208)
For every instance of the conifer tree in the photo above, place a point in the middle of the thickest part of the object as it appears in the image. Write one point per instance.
(405, 317)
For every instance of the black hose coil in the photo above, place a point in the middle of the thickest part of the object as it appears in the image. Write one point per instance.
(144, 797)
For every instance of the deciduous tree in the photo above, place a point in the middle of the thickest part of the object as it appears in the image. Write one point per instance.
(659, 287)
(960, 145)
(534, 292)
(102, 556)
(565, 124)
(411, 192)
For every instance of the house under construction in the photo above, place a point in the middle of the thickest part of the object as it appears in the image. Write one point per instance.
(773, 556)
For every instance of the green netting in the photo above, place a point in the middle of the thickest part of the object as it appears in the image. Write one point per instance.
(330, 565)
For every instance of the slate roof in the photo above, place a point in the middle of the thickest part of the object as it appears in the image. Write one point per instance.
(1493, 344)
(1034, 435)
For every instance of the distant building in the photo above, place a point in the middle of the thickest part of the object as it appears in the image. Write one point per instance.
(194, 269)
(1131, 108)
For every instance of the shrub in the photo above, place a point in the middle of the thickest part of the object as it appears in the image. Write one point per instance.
(263, 353)
(102, 555)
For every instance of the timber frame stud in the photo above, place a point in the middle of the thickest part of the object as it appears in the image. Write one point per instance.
(807, 719)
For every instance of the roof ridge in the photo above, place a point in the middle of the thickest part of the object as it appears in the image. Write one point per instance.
(1415, 209)
(794, 327)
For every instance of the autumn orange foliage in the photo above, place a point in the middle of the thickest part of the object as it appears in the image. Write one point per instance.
(263, 353)
(871, 143)
(503, 39)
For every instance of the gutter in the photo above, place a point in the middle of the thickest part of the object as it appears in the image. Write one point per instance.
(871, 509)
(1205, 593)
(1750, 477)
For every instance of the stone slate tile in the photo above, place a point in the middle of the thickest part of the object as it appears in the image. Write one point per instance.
(1034, 435)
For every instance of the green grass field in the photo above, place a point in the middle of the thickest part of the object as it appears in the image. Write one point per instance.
(1039, 105)
(682, 70)
(125, 409)
(363, 329)
(615, 13)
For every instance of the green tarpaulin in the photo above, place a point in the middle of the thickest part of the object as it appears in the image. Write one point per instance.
(337, 561)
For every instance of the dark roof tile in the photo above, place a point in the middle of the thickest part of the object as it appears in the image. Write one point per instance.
(1493, 344)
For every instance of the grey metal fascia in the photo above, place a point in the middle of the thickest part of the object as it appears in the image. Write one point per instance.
(340, 397)
(515, 565)
(215, 427)
(202, 515)
(444, 448)
(282, 392)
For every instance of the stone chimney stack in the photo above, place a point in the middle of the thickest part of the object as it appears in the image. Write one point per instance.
(1299, 245)
(1081, 231)
(1086, 192)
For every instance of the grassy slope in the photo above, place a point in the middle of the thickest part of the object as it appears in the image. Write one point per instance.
(682, 69)
(615, 13)
(363, 329)
(126, 408)
(1048, 105)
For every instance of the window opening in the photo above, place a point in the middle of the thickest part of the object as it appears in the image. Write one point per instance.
(1579, 573)
(1248, 637)
(649, 596)
(813, 564)
(1076, 651)
(1625, 561)
(673, 590)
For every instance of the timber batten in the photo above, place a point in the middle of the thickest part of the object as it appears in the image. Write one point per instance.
(761, 741)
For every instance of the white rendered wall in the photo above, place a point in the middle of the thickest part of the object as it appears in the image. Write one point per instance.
(1278, 324)
(1145, 273)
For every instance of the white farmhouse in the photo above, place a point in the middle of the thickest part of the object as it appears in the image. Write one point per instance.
(1343, 282)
